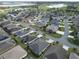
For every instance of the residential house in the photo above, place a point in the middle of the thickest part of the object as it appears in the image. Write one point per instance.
(3, 38)
(38, 46)
(11, 17)
(29, 38)
(3, 23)
(42, 22)
(54, 25)
(22, 33)
(12, 28)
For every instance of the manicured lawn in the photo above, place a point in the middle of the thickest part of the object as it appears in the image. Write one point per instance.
(72, 33)
(18, 41)
(74, 41)
(62, 23)
(72, 27)
(56, 35)
(61, 28)
(70, 40)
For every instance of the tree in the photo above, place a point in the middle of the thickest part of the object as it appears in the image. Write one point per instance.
(43, 8)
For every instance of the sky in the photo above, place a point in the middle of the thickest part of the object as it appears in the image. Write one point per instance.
(42, 0)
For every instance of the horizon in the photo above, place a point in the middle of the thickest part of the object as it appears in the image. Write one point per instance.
(39, 0)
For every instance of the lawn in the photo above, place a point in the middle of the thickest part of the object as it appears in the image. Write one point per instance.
(61, 28)
(56, 35)
(18, 41)
(75, 50)
(62, 23)
(74, 41)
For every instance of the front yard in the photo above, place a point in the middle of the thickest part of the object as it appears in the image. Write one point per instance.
(56, 35)
(61, 29)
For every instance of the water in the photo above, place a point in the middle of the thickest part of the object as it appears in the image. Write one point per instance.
(56, 5)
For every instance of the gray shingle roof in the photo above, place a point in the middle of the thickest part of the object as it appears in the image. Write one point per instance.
(5, 23)
(28, 38)
(38, 46)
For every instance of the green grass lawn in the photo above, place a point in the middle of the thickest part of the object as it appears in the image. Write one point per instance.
(74, 41)
(61, 28)
(56, 35)
(71, 29)
(62, 23)
(75, 50)
(18, 41)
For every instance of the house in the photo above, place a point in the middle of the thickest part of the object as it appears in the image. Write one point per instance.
(55, 21)
(38, 46)
(21, 33)
(52, 27)
(22, 14)
(29, 37)
(4, 38)
(76, 22)
(73, 56)
(11, 16)
(15, 29)
(3, 23)
(14, 53)
(42, 22)
(55, 52)
(12, 28)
